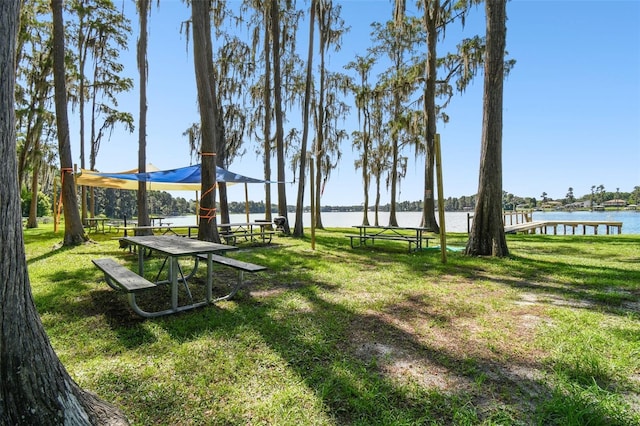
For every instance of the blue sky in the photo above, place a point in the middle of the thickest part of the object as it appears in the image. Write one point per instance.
(571, 104)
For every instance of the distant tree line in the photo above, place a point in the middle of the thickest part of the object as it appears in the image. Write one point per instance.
(597, 196)
(117, 203)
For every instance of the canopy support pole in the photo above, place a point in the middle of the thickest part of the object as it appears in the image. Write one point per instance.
(246, 200)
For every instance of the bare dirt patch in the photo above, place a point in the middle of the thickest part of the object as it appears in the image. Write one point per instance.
(401, 365)
(454, 347)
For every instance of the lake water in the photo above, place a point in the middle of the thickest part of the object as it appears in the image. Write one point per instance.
(454, 221)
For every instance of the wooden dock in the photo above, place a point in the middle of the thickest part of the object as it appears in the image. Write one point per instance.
(543, 226)
(525, 224)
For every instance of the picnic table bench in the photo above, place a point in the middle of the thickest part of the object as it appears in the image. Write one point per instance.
(239, 265)
(121, 278)
(414, 236)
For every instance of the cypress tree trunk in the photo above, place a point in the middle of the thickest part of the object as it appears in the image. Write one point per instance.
(142, 203)
(277, 90)
(487, 231)
(428, 207)
(35, 388)
(298, 230)
(267, 111)
(203, 63)
(73, 229)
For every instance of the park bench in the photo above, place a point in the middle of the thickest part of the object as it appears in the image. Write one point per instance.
(239, 265)
(232, 237)
(121, 278)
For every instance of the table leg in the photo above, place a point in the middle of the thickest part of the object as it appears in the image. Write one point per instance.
(209, 277)
(173, 276)
(141, 261)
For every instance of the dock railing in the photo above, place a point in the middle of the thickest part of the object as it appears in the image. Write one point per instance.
(510, 217)
(522, 222)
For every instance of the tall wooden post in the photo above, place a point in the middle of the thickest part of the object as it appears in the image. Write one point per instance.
(246, 201)
(313, 203)
(197, 209)
(55, 206)
(443, 232)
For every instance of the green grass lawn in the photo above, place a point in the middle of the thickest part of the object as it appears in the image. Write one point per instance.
(342, 336)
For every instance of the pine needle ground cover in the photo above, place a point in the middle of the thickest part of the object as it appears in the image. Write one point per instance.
(367, 336)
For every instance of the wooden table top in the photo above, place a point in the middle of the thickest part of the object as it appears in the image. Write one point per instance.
(177, 246)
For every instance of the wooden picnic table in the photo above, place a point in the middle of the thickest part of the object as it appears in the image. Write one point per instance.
(165, 228)
(96, 224)
(173, 248)
(153, 220)
(250, 231)
(413, 235)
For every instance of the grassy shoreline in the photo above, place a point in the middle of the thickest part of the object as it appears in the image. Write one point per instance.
(342, 336)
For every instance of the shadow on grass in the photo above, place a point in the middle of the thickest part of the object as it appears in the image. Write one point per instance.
(597, 288)
(369, 367)
(363, 366)
(349, 361)
(49, 253)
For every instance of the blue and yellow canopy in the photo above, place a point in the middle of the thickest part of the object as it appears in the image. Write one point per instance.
(181, 179)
